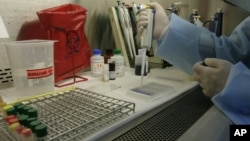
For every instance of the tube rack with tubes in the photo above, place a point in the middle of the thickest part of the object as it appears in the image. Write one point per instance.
(74, 113)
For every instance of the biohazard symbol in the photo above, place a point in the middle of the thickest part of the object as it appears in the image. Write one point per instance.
(73, 41)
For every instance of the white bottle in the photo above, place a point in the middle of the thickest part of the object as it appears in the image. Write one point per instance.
(119, 62)
(97, 62)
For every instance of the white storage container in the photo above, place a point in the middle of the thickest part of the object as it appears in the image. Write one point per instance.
(32, 65)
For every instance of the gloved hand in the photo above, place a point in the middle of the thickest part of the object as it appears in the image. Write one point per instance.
(160, 23)
(212, 77)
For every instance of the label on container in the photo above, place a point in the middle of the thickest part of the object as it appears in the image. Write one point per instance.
(96, 67)
(39, 73)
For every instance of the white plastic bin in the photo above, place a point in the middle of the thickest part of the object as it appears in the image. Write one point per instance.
(32, 65)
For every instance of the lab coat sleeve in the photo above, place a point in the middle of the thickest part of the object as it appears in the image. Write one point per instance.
(184, 44)
(234, 100)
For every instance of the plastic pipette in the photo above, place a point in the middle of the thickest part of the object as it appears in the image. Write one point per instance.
(146, 37)
(130, 30)
(143, 53)
(124, 27)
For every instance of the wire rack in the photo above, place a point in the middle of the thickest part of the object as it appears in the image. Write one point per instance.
(74, 114)
(5, 77)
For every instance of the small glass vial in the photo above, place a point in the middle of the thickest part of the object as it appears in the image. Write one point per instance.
(41, 132)
(12, 129)
(26, 135)
(11, 111)
(18, 131)
(23, 119)
(119, 62)
(33, 125)
(112, 73)
(32, 113)
(97, 62)
(105, 73)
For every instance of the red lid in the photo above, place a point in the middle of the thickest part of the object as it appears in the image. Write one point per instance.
(7, 118)
(19, 129)
(26, 132)
(13, 120)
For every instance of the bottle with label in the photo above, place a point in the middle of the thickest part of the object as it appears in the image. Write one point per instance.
(119, 62)
(97, 62)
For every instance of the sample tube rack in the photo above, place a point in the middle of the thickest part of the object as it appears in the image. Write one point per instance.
(74, 114)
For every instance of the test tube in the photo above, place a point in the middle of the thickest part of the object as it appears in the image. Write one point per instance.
(11, 111)
(20, 109)
(32, 113)
(26, 109)
(17, 104)
(23, 119)
(29, 120)
(12, 129)
(33, 125)
(5, 108)
(26, 135)
(13, 120)
(7, 118)
(41, 132)
(18, 131)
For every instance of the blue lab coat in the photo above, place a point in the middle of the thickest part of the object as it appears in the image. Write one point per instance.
(184, 44)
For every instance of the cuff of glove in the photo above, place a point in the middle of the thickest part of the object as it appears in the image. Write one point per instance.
(234, 99)
(163, 32)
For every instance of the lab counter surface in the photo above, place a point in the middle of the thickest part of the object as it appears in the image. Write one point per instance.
(176, 84)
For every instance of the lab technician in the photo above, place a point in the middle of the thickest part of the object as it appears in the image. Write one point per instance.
(224, 75)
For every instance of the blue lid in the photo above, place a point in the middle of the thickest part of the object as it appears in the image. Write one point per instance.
(96, 51)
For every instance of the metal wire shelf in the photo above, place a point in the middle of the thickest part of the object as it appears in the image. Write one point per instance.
(74, 114)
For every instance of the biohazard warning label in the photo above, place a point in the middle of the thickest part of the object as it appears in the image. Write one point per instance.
(39, 73)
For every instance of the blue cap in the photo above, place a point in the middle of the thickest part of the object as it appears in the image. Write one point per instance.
(96, 51)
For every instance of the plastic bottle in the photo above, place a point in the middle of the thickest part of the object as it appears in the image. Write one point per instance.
(119, 62)
(97, 62)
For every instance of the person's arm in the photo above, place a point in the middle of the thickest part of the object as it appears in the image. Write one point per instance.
(184, 44)
(234, 99)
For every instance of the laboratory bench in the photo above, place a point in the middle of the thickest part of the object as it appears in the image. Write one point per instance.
(168, 105)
